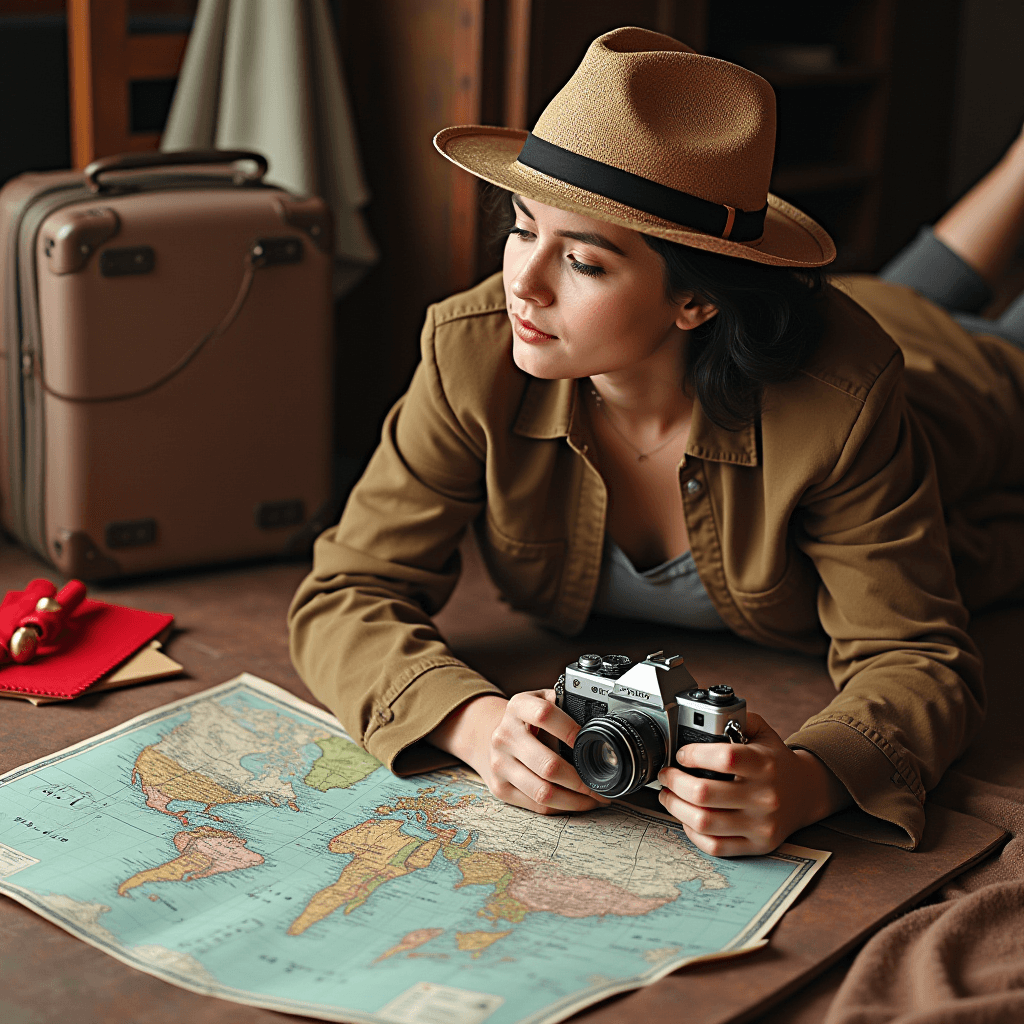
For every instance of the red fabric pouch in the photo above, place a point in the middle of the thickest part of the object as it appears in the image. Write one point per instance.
(96, 638)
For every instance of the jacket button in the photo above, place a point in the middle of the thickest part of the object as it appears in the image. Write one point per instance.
(693, 486)
(384, 715)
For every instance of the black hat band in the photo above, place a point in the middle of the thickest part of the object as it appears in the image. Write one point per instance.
(640, 193)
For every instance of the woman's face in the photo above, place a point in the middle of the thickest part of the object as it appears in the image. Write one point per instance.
(585, 297)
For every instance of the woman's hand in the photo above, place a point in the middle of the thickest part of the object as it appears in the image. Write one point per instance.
(503, 741)
(775, 791)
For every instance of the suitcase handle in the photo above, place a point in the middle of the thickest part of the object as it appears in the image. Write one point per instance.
(138, 161)
(254, 259)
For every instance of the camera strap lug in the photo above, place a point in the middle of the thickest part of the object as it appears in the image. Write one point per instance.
(734, 732)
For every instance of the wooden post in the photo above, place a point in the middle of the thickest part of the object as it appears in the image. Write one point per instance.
(517, 63)
(98, 80)
(103, 59)
(465, 109)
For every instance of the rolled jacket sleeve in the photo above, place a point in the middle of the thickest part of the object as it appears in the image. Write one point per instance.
(909, 677)
(361, 634)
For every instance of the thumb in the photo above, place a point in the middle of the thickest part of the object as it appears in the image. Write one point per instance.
(757, 730)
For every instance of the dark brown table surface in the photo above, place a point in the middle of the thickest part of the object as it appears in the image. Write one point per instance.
(231, 620)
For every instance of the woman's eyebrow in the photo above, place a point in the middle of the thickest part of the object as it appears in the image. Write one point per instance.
(587, 237)
(590, 238)
(522, 206)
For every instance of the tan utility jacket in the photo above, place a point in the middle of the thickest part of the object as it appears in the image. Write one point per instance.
(818, 528)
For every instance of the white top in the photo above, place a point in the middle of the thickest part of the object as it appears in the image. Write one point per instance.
(671, 593)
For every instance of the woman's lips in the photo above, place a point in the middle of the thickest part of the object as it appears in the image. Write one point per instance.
(528, 332)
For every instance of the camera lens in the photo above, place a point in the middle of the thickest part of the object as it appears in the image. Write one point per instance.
(619, 753)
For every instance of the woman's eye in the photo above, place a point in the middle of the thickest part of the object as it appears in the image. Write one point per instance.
(585, 268)
(520, 232)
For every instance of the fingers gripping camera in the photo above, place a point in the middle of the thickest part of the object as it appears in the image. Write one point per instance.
(635, 717)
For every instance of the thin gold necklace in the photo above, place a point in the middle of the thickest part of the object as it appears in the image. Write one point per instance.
(641, 456)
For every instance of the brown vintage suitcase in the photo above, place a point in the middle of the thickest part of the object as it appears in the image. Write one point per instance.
(165, 378)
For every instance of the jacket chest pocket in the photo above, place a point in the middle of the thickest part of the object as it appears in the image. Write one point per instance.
(526, 572)
(787, 607)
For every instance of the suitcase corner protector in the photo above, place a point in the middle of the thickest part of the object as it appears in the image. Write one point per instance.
(78, 556)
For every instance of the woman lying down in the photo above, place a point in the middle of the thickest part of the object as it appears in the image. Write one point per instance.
(661, 409)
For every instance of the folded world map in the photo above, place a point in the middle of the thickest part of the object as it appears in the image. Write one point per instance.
(239, 844)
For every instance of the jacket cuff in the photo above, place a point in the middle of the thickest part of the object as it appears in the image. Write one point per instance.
(888, 810)
(395, 735)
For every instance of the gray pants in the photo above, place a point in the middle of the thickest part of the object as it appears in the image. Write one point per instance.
(931, 268)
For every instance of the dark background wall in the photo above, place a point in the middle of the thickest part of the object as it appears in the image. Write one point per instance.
(34, 123)
(988, 105)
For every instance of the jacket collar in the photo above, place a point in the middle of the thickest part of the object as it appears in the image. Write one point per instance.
(549, 408)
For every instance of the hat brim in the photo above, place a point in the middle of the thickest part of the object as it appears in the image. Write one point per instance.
(790, 239)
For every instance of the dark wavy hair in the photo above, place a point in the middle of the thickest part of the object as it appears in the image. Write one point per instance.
(768, 323)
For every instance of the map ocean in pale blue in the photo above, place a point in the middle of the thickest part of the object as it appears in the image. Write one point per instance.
(90, 830)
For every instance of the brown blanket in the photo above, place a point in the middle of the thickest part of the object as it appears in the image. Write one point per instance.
(960, 958)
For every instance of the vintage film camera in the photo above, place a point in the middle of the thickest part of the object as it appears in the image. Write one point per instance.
(635, 718)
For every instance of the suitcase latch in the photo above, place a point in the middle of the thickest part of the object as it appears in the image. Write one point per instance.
(137, 259)
(132, 534)
(267, 252)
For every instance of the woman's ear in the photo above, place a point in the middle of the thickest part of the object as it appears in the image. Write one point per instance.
(692, 313)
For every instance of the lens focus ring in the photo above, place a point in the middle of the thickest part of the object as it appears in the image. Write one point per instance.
(619, 753)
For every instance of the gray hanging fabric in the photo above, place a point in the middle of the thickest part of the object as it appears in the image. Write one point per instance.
(266, 75)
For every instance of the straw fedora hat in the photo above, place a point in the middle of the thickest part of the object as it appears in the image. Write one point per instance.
(650, 135)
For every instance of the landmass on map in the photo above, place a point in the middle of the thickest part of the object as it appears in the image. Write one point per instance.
(200, 760)
(204, 851)
(381, 851)
(415, 939)
(476, 942)
(341, 764)
(552, 870)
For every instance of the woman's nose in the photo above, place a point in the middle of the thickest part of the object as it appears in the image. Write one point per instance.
(530, 284)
